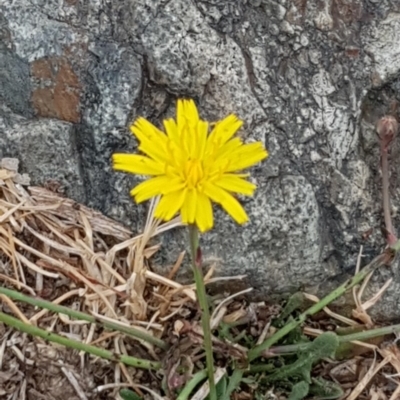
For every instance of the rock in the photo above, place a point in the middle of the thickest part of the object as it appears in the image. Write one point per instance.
(56, 89)
(46, 148)
(379, 42)
(14, 82)
(117, 76)
(310, 80)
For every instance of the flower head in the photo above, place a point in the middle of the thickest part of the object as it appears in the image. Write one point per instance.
(191, 167)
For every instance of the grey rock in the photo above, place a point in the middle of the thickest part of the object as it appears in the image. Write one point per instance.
(192, 59)
(46, 149)
(310, 80)
(117, 77)
(14, 82)
(380, 41)
(35, 33)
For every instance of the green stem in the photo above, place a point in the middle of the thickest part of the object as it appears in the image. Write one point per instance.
(136, 333)
(294, 348)
(189, 387)
(360, 336)
(205, 312)
(377, 262)
(74, 344)
(370, 334)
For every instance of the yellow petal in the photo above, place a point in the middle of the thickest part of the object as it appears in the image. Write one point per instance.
(155, 152)
(188, 135)
(228, 149)
(204, 213)
(190, 112)
(224, 130)
(153, 142)
(187, 119)
(201, 139)
(185, 212)
(172, 130)
(169, 205)
(220, 161)
(177, 157)
(227, 201)
(246, 156)
(182, 113)
(173, 186)
(144, 129)
(136, 164)
(233, 183)
(189, 207)
(150, 188)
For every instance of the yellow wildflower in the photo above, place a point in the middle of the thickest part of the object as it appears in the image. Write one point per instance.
(191, 167)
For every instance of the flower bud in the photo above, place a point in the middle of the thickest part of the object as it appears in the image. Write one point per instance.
(387, 128)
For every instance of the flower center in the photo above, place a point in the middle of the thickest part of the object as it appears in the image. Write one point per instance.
(193, 173)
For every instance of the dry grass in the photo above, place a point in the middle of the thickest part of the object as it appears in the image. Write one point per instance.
(64, 252)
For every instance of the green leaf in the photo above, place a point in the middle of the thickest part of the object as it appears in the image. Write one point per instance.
(295, 302)
(197, 378)
(325, 390)
(234, 382)
(296, 336)
(224, 331)
(249, 380)
(299, 391)
(323, 346)
(127, 394)
(221, 387)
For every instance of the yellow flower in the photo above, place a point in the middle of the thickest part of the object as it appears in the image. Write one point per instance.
(191, 167)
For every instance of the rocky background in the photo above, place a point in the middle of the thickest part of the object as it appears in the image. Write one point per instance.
(310, 78)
